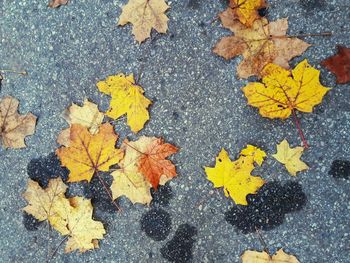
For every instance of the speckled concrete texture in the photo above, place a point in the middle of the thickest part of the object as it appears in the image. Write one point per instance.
(198, 106)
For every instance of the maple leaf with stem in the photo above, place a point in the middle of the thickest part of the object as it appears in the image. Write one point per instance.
(339, 64)
(260, 45)
(14, 127)
(282, 92)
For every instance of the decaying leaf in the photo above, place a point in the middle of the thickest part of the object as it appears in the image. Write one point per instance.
(72, 217)
(235, 176)
(246, 11)
(283, 91)
(251, 256)
(145, 15)
(339, 64)
(144, 166)
(89, 153)
(126, 98)
(14, 127)
(57, 3)
(87, 115)
(260, 45)
(290, 157)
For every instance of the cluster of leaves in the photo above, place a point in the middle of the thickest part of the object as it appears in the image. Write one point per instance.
(88, 147)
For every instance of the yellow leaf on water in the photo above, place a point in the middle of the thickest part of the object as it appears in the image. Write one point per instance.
(250, 256)
(89, 153)
(126, 98)
(283, 91)
(145, 15)
(290, 157)
(235, 176)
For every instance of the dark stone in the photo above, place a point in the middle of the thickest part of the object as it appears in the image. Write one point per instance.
(156, 223)
(30, 222)
(263, 11)
(179, 249)
(43, 169)
(266, 209)
(340, 169)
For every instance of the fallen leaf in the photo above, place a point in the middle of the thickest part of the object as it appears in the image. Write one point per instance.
(87, 115)
(339, 64)
(144, 166)
(246, 11)
(250, 256)
(283, 91)
(72, 217)
(290, 157)
(260, 45)
(127, 98)
(235, 176)
(89, 153)
(145, 15)
(14, 127)
(57, 3)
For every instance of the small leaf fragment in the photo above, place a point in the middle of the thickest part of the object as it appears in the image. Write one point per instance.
(339, 64)
(251, 256)
(57, 3)
(235, 176)
(14, 127)
(89, 153)
(126, 98)
(145, 15)
(290, 157)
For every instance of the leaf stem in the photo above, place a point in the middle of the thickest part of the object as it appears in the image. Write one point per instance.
(107, 190)
(262, 241)
(322, 34)
(297, 123)
(56, 249)
(14, 71)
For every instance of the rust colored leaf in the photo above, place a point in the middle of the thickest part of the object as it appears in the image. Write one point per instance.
(339, 64)
(57, 3)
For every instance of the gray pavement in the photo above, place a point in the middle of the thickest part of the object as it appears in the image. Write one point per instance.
(198, 106)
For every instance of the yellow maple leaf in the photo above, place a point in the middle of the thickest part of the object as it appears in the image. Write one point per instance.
(247, 10)
(260, 45)
(250, 256)
(145, 15)
(87, 115)
(131, 180)
(126, 98)
(290, 157)
(14, 127)
(282, 91)
(89, 153)
(235, 176)
(72, 217)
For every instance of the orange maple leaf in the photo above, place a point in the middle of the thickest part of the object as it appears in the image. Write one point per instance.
(153, 163)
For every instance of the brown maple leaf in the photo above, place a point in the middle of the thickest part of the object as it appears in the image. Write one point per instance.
(153, 163)
(14, 127)
(339, 64)
(260, 45)
(57, 3)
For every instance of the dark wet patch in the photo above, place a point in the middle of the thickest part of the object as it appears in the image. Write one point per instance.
(30, 222)
(162, 196)
(156, 223)
(179, 249)
(45, 168)
(99, 195)
(312, 4)
(340, 169)
(194, 4)
(266, 209)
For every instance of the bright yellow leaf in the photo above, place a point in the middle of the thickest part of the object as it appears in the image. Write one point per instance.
(247, 10)
(72, 217)
(235, 176)
(290, 157)
(251, 256)
(89, 153)
(282, 91)
(145, 15)
(126, 98)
